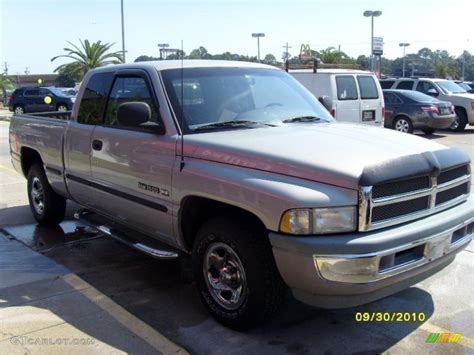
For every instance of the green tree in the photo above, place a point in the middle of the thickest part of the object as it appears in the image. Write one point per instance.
(5, 84)
(89, 56)
(331, 55)
(145, 58)
(270, 59)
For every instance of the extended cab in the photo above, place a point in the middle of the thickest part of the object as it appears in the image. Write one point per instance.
(238, 168)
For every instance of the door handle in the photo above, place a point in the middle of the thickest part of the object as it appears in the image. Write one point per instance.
(96, 144)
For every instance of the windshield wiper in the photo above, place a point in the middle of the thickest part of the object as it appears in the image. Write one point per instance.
(302, 119)
(231, 124)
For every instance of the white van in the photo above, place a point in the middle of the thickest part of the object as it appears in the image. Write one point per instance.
(350, 95)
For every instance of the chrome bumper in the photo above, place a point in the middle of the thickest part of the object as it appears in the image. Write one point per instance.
(366, 268)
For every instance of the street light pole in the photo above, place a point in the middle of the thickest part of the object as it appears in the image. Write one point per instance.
(258, 35)
(404, 45)
(372, 14)
(123, 31)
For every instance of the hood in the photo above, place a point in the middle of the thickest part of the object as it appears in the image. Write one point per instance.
(331, 153)
(461, 96)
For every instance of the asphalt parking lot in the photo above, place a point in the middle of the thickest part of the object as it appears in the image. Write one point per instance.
(162, 294)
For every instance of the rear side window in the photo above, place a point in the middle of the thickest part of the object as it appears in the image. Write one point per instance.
(405, 85)
(367, 87)
(346, 87)
(94, 99)
(390, 98)
(32, 92)
(386, 84)
(128, 89)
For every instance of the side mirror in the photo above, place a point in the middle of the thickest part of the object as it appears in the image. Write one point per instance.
(432, 92)
(326, 102)
(137, 114)
(133, 114)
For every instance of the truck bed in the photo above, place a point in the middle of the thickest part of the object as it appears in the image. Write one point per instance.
(42, 133)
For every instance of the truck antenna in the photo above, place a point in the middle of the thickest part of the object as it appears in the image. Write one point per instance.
(181, 165)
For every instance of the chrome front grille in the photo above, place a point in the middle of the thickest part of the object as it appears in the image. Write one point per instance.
(407, 199)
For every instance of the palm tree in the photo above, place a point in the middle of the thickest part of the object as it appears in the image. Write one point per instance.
(90, 56)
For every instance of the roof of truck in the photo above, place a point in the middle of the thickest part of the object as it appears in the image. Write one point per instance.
(191, 63)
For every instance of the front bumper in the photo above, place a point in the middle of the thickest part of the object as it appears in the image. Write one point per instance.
(350, 269)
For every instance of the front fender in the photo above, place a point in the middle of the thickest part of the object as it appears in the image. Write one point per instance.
(264, 194)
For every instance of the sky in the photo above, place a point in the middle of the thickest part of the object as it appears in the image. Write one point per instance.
(34, 31)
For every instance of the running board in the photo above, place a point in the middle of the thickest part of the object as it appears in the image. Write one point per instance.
(119, 233)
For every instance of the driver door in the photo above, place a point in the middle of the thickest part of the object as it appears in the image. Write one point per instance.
(131, 165)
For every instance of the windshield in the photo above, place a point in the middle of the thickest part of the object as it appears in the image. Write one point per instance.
(216, 95)
(60, 92)
(451, 88)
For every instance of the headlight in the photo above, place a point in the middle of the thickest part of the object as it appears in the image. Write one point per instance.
(319, 220)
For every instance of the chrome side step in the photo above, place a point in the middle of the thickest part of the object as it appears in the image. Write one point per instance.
(101, 224)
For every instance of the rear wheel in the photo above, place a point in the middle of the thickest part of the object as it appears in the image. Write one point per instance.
(403, 124)
(19, 110)
(429, 130)
(236, 274)
(47, 206)
(460, 121)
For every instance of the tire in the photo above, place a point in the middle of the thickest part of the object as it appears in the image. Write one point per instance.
(61, 107)
(47, 206)
(234, 256)
(460, 122)
(429, 130)
(19, 110)
(403, 124)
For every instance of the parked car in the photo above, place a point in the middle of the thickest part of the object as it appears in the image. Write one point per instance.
(407, 110)
(251, 180)
(444, 90)
(349, 95)
(40, 99)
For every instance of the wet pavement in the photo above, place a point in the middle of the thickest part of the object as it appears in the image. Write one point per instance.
(162, 295)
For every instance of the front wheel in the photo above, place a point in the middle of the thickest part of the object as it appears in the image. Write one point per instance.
(47, 206)
(236, 274)
(460, 121)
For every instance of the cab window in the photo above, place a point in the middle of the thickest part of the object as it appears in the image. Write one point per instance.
(346, 87)
(129, 89)
(94, 99)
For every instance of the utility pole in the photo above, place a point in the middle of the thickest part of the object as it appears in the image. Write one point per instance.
(123, 31)
(372, 14)
(5, 68)
(287, 54)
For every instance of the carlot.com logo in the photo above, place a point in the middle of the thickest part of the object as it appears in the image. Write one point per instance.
(443, 338)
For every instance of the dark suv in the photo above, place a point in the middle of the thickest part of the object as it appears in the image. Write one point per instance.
(37, 99)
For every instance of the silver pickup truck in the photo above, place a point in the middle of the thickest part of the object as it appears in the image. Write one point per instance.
(239, 169)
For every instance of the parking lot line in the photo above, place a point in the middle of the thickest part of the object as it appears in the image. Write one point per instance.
(132, 323)
(7, 168)
(464, 341)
